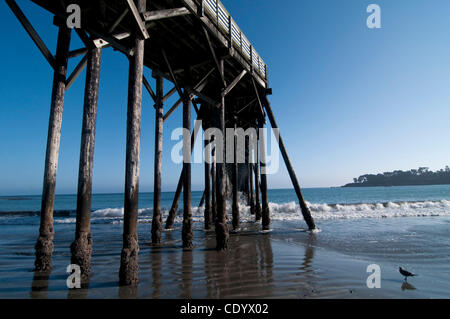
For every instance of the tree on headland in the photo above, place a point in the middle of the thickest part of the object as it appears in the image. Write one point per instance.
(420, 176)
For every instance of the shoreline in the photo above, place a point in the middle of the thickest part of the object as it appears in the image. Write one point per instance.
(287, 262)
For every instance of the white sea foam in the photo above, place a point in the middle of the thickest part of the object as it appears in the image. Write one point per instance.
(291, 211)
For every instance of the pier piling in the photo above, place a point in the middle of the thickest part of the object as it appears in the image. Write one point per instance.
(44, 244)
(157, 219)
(213, 182)
(176, 198)
(235, 207)
(257, 192)
(207, 193)
(222, 234)
(128, 274)
(265, 201)
(81, 248)
(187, 231)
(303, 206)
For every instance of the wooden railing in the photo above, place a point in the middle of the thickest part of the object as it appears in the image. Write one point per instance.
(225, 23)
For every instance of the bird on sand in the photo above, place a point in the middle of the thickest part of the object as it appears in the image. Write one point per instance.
(406, 273)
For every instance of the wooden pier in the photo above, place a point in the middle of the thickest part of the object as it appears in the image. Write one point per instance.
(197, 47)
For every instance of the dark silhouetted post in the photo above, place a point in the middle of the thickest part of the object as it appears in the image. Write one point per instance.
(207, 193)
(235, 207)
(44, 244)
(251, 190)
(304, 208)
(187, 231)
(213, 183)
(256, 171)
(222, 234)
(129, 259)
(265, 201)
(173, 210)
(157, 218)
(81, 248)
(202, 200)
(251, 195)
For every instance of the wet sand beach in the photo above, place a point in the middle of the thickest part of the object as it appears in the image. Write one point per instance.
(287, 262)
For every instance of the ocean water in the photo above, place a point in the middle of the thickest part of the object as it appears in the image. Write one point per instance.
(387, 226)
(325, 204)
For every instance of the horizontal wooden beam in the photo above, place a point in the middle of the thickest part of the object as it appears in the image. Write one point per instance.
(203, 97)
(103, 41)
(77, 52)
(138, 19)
(164, 14)
(31, 32)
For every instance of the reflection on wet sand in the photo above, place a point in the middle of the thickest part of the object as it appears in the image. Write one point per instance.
(251, 268)
(156, 260)
(407, 286)
(186, 274)
(128, 292)
(39, 286)
(309, 254)
(243, 271)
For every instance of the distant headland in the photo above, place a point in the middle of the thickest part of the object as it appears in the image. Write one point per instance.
(420, 176)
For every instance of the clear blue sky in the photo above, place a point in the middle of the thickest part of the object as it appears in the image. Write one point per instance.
(349, 100)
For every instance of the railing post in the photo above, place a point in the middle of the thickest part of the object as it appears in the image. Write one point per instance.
(217, 14)
(240, 41)
(201, 9)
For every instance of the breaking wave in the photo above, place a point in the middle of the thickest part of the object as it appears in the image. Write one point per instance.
(278, 211)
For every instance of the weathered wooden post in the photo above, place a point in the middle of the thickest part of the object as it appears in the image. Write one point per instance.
(213, 183)
(256, 171)
(173, 210)
(251, 193)
(129, 266)
(207, 193)
(251, 190)
(81, 248)
(202, 200)
(304, 208)
(187, 231)
(235, 206)
(157, 218)
(44, 244)
(265, 201)
(222, 234)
